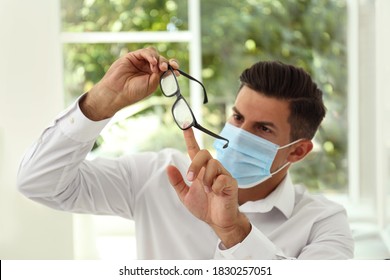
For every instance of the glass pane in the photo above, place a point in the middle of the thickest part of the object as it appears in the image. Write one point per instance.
(124, 15)
(182, 114)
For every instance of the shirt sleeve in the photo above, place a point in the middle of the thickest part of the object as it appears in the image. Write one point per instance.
(328, 238)
(256, 246)
(55, 172)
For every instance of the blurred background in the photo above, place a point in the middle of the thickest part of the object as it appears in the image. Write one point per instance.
(52, 51)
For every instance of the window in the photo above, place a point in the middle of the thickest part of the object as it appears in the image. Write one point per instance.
(234, 35)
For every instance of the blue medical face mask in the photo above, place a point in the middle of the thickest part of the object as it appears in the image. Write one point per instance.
(248, 158)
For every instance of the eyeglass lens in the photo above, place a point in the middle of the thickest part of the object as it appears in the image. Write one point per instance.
(169, 85)
(182, 114)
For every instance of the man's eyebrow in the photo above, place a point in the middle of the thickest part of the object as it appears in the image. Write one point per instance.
(260, 123)
(236, 110)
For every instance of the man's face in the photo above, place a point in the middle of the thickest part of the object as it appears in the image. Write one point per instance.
(265, 117)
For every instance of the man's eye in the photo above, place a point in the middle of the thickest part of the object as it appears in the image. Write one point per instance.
(237, 117)
(264, 128)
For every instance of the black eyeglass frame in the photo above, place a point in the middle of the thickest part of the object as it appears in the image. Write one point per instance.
(179, 97)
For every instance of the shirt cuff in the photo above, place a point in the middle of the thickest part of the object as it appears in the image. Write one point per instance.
(255, 246)
(75, 125)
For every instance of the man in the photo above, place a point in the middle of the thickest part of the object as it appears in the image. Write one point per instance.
(242, 205)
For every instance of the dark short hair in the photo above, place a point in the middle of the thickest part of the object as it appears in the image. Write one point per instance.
(286, 82)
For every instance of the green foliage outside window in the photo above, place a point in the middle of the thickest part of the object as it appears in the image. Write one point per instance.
(307, 33)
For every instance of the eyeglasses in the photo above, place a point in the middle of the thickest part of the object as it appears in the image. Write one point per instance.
(181, 111)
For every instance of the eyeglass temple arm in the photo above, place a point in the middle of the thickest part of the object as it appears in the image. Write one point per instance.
(205, 99)
(205, 130)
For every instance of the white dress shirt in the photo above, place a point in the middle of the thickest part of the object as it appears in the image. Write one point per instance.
(290, 223)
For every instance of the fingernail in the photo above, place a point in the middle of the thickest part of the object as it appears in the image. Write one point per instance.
(190, 176)
(207, 189)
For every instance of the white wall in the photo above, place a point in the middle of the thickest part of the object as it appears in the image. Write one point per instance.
(30, 96)
(382, 144)
(381, 147)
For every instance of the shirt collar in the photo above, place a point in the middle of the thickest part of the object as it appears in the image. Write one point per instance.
(282, 198)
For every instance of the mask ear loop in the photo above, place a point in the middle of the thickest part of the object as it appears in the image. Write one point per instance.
(280, 168)
(290, 144)
(287, 163)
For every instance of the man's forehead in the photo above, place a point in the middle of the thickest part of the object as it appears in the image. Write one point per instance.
(257, 105)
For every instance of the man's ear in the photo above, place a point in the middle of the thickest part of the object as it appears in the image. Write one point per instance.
(300, 150)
